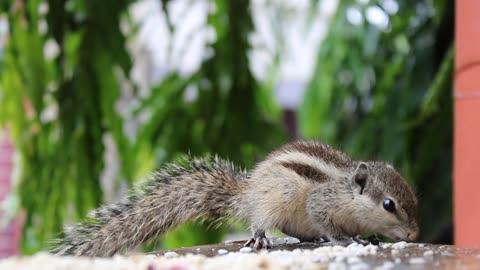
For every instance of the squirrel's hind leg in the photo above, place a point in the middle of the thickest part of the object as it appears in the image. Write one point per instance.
(259, 241)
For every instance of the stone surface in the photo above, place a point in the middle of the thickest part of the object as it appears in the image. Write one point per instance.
(286, 254)
(398, 255)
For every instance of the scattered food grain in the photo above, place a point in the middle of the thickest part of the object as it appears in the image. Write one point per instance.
(417, 260)
(222, 251)
(386, 266)
(428, 253)
(246, 250)
(399, 245)
(170, 254)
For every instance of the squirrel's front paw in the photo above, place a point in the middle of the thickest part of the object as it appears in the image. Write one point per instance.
(259, 243)
(363, 241)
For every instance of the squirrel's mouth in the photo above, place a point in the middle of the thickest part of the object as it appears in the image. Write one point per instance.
(397, 234)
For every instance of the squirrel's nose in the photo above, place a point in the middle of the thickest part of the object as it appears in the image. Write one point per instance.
(413, 235)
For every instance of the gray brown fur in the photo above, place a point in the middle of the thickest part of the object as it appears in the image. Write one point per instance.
(305, 189)
(187, 190)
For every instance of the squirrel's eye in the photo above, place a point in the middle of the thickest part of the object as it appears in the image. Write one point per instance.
(389, 205)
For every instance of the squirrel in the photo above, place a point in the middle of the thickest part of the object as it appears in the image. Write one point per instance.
(306, 189)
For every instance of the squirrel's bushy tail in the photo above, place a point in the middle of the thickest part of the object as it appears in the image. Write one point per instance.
(185, 190)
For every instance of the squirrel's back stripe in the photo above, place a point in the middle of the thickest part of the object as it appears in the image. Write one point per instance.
(306, 171)
(306, 160)
(317, 150)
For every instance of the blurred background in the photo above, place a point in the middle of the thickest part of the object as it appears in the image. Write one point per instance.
(94, 95)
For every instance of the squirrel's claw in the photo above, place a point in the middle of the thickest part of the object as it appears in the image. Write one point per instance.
(371, 240)
(374, 240)
(259, 243)
(322, 239)
(357, 239)
(249, 242)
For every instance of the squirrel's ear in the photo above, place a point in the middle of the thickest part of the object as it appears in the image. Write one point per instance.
(360, 176)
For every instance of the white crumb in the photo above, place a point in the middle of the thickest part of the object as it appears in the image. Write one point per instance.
(170, 254)
(297, 251)
(290, 240)
(398, 260)
(446, 253)
(245, 250)
(150, 256)
(395, 252)
(428, 253)
(359, 250)
(417, 260)
(386, 266)
(352, 260)
(337, 266)
(331, 257)
(222, 251)
(421, 245)
(359, 266)
(353, 245)
(386, 245)
(399, 245)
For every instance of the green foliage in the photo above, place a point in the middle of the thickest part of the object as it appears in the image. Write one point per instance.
(375, 93)
(381, 94)
(62, 157)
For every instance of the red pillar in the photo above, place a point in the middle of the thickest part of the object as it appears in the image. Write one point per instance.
(467, 123)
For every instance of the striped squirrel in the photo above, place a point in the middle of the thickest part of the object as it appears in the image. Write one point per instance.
(306, 189)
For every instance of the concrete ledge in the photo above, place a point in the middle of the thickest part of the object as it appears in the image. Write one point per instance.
(285, 255)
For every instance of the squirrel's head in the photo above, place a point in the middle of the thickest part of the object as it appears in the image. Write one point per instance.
(388, 201)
